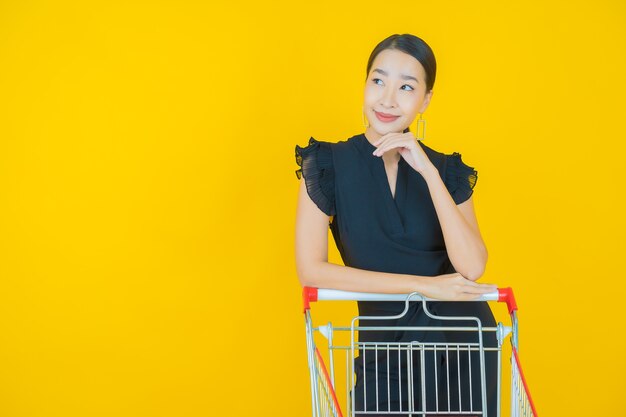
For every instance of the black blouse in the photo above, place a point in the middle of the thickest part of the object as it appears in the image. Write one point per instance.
(373, 229)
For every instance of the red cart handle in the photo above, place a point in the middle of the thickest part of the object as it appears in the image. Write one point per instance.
(505, 295)
(311, 294)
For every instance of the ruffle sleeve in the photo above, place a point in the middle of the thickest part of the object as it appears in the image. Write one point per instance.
(460, 178)
(316, 166)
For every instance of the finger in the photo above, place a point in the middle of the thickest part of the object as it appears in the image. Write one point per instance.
(486, 290)
(388, 145)
(468, 297)
(381, 149)
(478, 290)
(381, 139)
(484, 284)
(385, 136)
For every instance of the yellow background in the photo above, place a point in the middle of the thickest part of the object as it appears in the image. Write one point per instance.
(148, 192)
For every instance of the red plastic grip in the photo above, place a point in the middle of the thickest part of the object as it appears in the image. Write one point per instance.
(309, 295)
(505, 295)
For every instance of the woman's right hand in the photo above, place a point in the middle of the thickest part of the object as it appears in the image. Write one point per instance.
(455, 287)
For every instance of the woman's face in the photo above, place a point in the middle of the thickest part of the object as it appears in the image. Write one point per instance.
(396, 87)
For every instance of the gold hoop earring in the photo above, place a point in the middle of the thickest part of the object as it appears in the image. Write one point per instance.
(364, 121)
(422, 122)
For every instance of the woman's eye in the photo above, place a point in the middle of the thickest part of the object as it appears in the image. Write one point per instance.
(375, 80)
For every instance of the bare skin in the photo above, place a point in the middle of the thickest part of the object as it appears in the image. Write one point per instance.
(386, 90)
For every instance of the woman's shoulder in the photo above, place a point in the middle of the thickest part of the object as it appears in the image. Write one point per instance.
(316, 155)
(453, 158)
(324, 149)
(459, 177)
(318, 161)
(315, 161)
(315, 142)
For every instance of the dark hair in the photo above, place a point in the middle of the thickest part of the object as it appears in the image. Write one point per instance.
(414, 46)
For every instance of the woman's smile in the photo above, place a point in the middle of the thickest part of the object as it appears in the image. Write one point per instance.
(384, 117)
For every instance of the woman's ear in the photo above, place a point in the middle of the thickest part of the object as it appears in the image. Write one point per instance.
(426, 102)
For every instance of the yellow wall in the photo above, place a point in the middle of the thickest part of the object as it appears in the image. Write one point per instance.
(148, 191)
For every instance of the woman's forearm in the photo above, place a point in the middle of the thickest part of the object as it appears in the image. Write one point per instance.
(328, 275)
(465, 247)
(453, 286)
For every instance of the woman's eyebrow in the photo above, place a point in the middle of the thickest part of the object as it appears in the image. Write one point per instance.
(403, 76)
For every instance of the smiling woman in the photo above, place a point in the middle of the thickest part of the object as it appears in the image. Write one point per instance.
(403, 220)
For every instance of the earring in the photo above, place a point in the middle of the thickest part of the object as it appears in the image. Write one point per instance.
(365, 122)
(422, 122)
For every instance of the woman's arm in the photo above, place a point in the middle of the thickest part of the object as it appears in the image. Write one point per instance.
(465, 246)
(314, 270)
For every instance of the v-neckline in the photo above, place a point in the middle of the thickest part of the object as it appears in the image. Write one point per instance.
(393, 202)
(393, 193)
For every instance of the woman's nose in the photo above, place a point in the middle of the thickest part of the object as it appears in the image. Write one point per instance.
(388, 99)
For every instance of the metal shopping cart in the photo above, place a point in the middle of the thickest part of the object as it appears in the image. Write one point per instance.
(332, 369)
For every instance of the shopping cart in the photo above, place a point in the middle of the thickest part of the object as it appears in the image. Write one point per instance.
(332, 369)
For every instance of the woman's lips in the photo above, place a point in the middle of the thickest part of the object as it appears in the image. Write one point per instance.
(385, 118)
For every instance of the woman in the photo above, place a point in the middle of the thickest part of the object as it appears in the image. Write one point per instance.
(403, 220)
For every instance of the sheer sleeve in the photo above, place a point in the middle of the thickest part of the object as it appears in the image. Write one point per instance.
(460, 178)
(316, 166)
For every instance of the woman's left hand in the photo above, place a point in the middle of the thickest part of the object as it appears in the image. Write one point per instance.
(409, 149)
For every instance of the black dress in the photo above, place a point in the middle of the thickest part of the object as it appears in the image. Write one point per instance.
(376, 231)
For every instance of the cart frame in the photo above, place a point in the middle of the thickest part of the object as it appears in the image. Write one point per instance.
(323, 395)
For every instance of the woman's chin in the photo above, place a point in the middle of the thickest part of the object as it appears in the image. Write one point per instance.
(383, 130)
